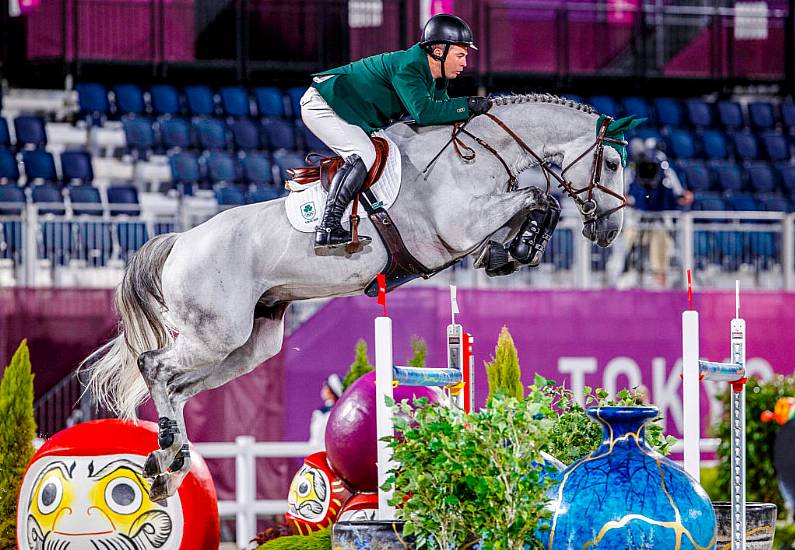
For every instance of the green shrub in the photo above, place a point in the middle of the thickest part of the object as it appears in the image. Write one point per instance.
(318, 540)
(419, 351)
(503, 371)
(17, 431)
(360, 366)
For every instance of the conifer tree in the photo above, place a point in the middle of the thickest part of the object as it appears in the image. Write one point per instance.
(504, 374)
(17, 431)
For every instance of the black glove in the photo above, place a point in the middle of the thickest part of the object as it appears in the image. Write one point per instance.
(478, 105)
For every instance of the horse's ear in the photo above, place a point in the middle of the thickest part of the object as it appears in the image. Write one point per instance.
(625, 124)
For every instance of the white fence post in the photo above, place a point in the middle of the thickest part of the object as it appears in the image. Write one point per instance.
(788, 252)
(688, 237)
(246, 483)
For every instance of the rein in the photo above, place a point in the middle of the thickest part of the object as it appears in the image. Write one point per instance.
(587, 206)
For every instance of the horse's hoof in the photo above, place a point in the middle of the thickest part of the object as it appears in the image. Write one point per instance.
(151, 466)
(158, 492)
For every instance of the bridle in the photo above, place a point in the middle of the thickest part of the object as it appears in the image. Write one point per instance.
(587, 204)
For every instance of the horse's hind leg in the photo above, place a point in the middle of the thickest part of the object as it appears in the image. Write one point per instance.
(264, 342)
(185, 355)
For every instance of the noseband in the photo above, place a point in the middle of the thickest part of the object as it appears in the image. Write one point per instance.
(587, 204)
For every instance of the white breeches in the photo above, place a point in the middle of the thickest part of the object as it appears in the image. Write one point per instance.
(343, 138)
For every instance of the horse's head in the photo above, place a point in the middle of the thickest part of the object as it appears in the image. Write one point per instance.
(594, 178)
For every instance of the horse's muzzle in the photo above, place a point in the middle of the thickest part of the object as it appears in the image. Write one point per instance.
(602, 232)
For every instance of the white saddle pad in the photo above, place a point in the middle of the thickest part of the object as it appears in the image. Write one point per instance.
(305, 207)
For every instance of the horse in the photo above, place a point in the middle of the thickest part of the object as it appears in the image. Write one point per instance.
(202, 307)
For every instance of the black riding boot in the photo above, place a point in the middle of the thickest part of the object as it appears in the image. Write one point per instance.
(346, 183)
(529, 245)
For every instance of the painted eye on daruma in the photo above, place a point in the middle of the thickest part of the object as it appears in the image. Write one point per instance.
(50, 495)
(303, 488)
(123, 496)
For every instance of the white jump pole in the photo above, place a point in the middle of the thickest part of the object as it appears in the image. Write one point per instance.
(383, 389)
(693, 371)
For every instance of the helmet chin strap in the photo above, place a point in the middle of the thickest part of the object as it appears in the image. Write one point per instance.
(441, 59)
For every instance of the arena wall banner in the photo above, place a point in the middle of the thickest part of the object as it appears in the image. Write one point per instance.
(612, 339)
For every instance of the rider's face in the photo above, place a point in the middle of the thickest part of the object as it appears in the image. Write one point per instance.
(455, 62)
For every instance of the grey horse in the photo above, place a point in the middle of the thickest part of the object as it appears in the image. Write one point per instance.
(203, 307)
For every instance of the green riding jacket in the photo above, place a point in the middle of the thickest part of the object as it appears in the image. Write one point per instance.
(374, 91)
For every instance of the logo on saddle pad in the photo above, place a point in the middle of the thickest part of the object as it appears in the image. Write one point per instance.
(309, 212)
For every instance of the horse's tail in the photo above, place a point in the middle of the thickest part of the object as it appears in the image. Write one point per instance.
(113, 376)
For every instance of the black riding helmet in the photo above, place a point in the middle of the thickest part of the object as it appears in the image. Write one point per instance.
(445, 29)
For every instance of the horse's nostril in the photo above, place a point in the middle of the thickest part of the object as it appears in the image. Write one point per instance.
(612, 234)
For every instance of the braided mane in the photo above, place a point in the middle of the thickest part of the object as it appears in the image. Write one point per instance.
(543, 98)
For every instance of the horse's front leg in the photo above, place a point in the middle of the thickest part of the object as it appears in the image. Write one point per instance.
(521, 242)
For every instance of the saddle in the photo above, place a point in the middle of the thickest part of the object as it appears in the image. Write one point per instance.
(324, 169)
(401, 266)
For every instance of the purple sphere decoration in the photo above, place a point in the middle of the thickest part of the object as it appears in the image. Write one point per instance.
(351, 431)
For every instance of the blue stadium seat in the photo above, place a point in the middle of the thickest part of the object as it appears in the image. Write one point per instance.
(234, 101)
(294, 95)
(669, 111)
(30, 131)
(697, 177)
(311, 141)
(212, 134)
(605, 105)
(5, 136)
(775, 203)
(93, 101)
(743, 203)
(131, 236)
(246, 135)
(262, 193)
(649, 132)
(12, 199)
(787, 173)
(257, 169)
(229, 196)
(639, 107)
(94, 242)
(708, 202)
(85, 200)
(185, 169)
(730, 115)
(200, 100)
(221, 168)
(762, 178)
(285, 160)
(165, 100)
(9, 170)
(762, 115)
(715, 147)
(129, 99)
(776, 146)
(125, 200)
(727, 176)
(76, 167)
(51, 196)
(746, 146)
(788, 115)
(140, 136)
(39, 165)
(176, 133)
(700, 113)
(280, 133)
(682, 145)
(270, 101)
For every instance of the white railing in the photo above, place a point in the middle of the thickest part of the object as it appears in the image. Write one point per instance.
(246, 508)
(758, 248)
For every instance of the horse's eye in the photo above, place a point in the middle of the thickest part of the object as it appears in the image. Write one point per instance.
(611, 165)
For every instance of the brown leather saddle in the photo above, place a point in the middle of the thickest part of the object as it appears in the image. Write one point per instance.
(401, 266)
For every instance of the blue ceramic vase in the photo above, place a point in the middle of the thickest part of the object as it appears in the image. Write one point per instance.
(626, 495)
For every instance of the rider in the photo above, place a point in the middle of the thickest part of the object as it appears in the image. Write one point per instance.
(346, 104)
